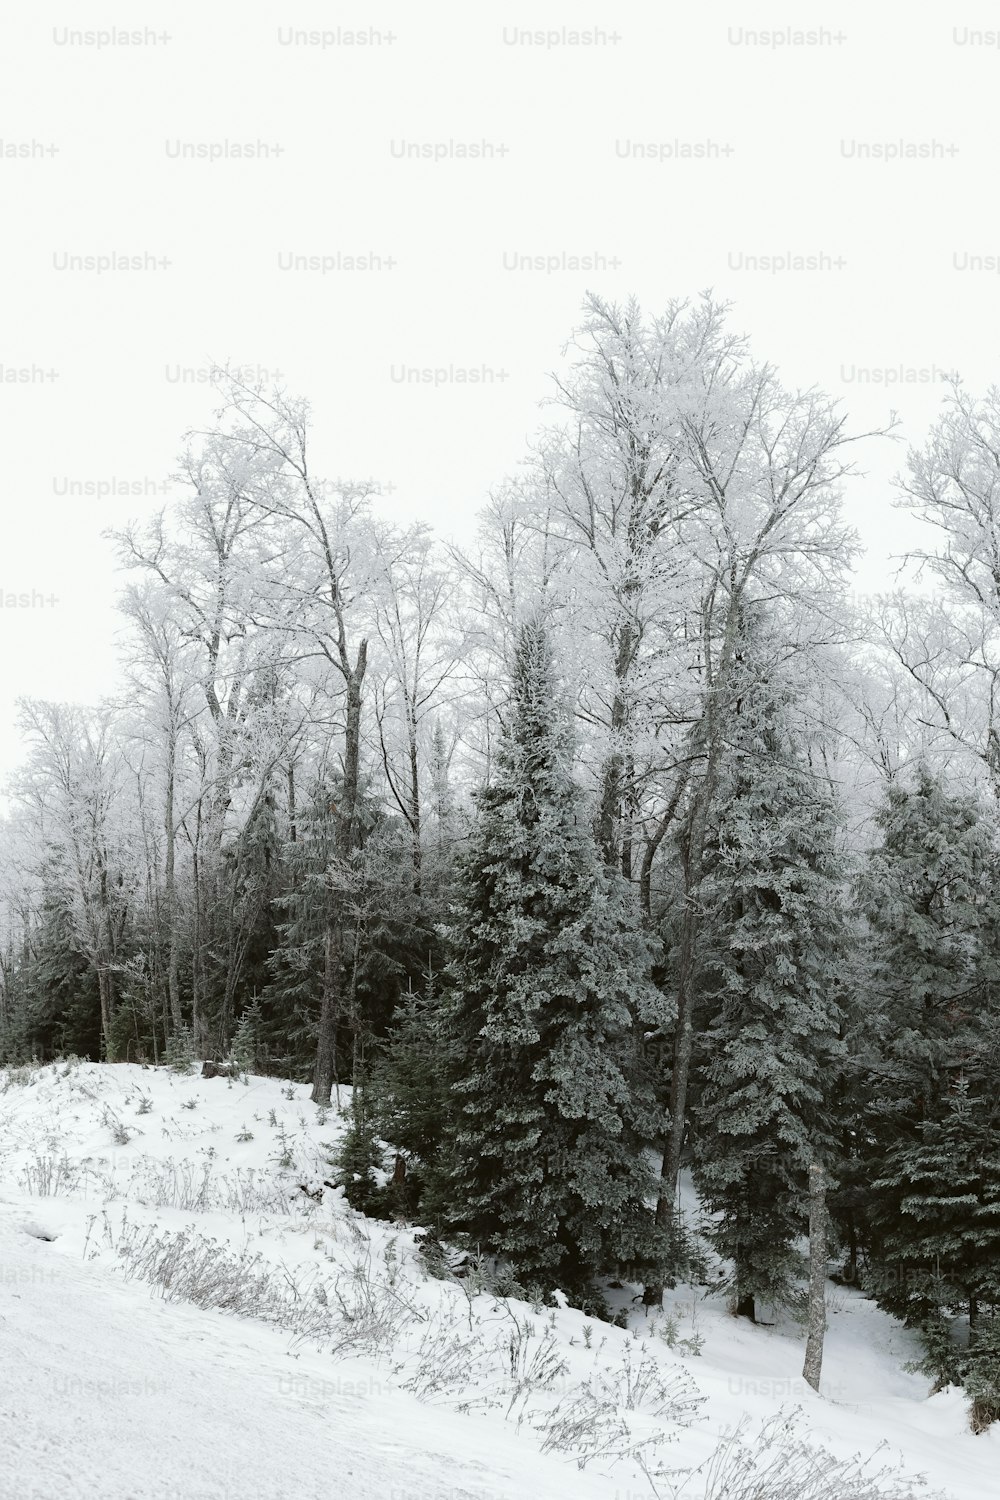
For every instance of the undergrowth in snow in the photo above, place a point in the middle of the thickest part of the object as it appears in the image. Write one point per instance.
(215, 1193)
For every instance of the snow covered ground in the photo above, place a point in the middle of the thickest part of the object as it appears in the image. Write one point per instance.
(323, 1361)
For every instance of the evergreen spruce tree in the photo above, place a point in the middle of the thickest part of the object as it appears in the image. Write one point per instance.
(60, 1009)
(940, 1247)
(384, 934)
(929, 1132)
(939, 1254)
(772, 931)
(927, 895)
(927, 898)
(359, 1158)
(545, 1158)
(289, 1003)
(246, 1038)
(411, 1097)
(179, 1053)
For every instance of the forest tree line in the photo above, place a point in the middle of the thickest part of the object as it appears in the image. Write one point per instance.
(625, 842)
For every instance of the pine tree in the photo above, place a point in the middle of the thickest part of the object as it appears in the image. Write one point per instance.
(359, 1158)
(382, 928)
(545, 1157)
(179, 1053)
(939, 1253)
(927, 896)
(940, 1250)
(771, 901)
(411, 1097)
(929, 1132)
(290, 1001)
(246, 1038)
(59, 1010)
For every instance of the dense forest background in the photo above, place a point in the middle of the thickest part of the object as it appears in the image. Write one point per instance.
(629, 841)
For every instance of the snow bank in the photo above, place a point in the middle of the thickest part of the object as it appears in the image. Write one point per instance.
(358, 1375)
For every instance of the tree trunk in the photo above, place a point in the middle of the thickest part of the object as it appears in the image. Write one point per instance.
(346, 832)
(414, 801)
(325, 1072)
(629, 813)
(170, 893)
(852, 1248)
(609, 809)
(683, 1043)
(104, 990)
(684, 1031)
(817, 1276)
(197, 956)
(694, 862)
(164, 1006)
(746, 1307)
(292, 831)
(655, 840)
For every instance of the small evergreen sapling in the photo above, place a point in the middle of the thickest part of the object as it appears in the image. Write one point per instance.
(358, 1162)
(179, 1052)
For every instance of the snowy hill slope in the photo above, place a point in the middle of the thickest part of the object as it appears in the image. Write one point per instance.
(108, 1394)
(305, 1351)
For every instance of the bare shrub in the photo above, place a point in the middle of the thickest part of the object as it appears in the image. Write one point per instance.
(112, 1122)
(372, 1309)
(360, 1310)
(20, 1077)
(448, 1361)
(640, 1383)
(198, 1189)
(46, 1175)
(775, 1463)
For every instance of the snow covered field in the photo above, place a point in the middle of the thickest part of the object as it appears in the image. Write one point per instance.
(186, 1311)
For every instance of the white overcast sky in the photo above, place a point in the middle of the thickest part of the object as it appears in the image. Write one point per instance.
(792, 124)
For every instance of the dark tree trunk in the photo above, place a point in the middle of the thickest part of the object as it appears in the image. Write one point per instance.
(170, 893)
(852, 1248)
(745, 1307)
(813, 1365)
(655, 840)
(415, 804)
(710, 739)
(104, 990)
(325, 1074)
